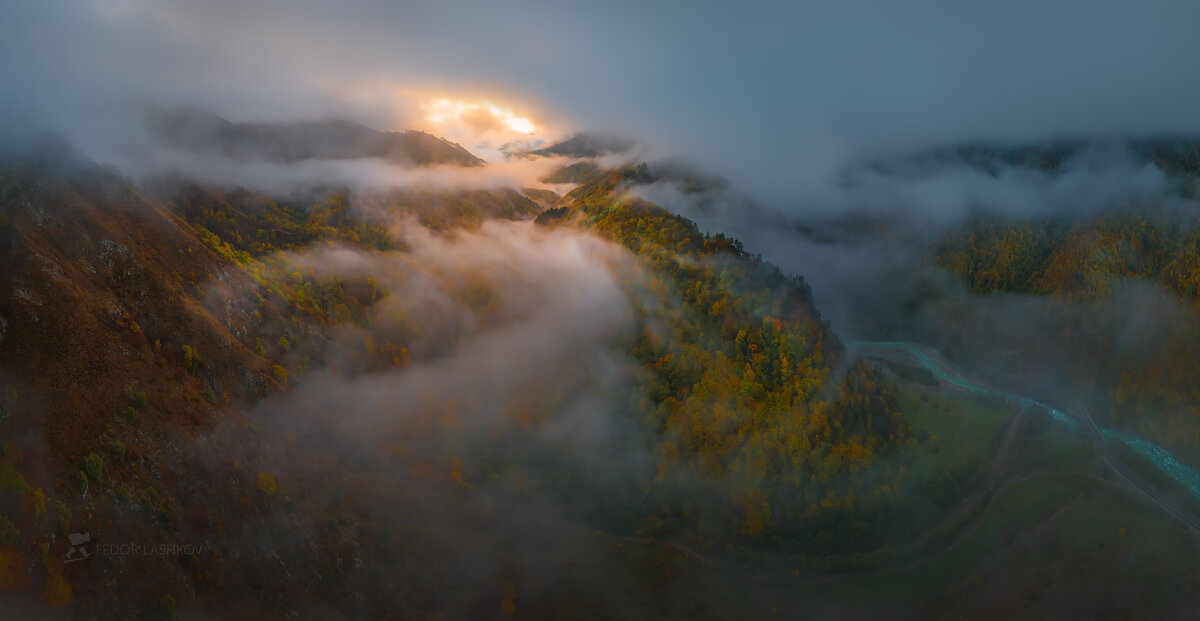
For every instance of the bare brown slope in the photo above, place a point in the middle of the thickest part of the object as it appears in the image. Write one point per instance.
(98, 291)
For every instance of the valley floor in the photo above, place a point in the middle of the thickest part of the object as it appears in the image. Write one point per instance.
(1045, 532)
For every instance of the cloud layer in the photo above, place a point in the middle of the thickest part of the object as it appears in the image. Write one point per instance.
(773, 95)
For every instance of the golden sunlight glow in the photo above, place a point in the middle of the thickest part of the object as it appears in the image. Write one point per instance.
(484, 115)
(521, 124)
(489, 124)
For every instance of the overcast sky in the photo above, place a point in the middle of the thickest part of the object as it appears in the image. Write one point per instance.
(771, 94)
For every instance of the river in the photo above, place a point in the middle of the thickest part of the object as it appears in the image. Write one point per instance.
(1157, 455)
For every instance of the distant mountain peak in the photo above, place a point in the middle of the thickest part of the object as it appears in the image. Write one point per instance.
(588, 144)
(329, 139)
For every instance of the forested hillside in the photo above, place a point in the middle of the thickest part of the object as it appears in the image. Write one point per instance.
(1120, 287)
(1087, 270)
(750, 388)
(185, 336)
(745, 393)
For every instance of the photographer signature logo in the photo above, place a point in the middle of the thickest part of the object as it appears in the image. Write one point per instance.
(78, 550)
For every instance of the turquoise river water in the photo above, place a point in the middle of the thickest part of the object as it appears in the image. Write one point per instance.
(1159, 456)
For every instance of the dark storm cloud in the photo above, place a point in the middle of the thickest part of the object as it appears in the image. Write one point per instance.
(774, 95)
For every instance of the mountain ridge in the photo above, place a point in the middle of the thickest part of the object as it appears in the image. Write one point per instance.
(331, 139)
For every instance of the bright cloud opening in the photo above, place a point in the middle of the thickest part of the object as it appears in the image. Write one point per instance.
(481, 115)
(486, 124)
